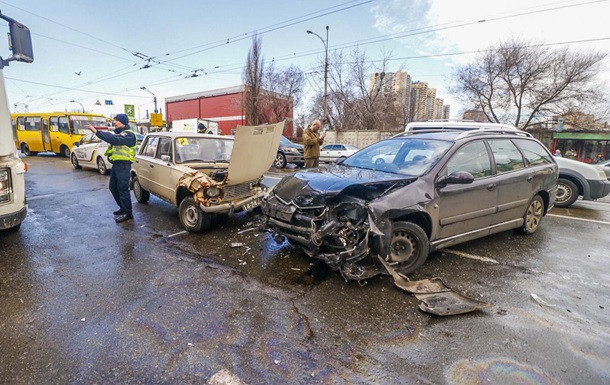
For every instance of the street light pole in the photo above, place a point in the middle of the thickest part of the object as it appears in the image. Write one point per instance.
(325, 42)
(154, 97)
(81, 104)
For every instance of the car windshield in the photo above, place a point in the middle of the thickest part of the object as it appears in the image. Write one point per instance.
(406, 156)
(192, 149)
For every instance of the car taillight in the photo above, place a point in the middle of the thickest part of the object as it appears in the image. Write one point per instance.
(5, 185)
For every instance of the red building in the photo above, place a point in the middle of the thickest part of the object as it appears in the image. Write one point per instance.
(224, 106)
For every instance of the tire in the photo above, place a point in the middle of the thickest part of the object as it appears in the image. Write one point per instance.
(533, 216)
(379, 161)
(142, 196)
(64, 151)
(567, 193)
(101, 166)
(191, 217)
(341, 159)
(409, 247)
(75, 162)
(280, 160)
(25, 149)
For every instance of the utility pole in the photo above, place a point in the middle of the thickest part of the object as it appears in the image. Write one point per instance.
(154, 97)
(325, 42)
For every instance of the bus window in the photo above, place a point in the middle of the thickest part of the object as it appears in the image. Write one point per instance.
(54, 124)
(20, 125)
(32, 123)
(14, 123)
(63, 125)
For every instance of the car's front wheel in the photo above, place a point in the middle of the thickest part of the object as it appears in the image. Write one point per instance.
(101, 166)
(533, 216)
(567, 193)
(142, 196)
(75, 162)
(409, 247)
(280, 160)
(193, 219)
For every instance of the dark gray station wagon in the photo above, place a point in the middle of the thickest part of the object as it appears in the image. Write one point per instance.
(404, 197)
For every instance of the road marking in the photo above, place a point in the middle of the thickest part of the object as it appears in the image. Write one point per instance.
(179, 233)
(579, 219)
(470, 256)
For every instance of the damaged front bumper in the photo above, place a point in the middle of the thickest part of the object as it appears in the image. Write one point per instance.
(248, 203)
(341, 234)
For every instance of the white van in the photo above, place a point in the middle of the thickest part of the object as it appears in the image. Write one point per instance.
(457, 125)
(13, 206)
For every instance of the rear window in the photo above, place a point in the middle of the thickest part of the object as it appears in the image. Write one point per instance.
(534, 152)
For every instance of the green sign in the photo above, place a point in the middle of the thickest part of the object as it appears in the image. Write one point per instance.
(130, 110)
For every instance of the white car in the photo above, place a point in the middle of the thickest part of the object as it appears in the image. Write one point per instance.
(89, 152)
(579, 179)
(336, 152)
(605, 165)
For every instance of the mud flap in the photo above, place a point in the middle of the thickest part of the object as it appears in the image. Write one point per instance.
(436, 297)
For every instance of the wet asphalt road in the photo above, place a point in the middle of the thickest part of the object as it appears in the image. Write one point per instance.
(84, 300)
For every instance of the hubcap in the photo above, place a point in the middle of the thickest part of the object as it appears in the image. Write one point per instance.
(136, 189)
(191, 216)
(279, 161)
(563, 193)
(403, 247)
(101, 166)
(534, 214)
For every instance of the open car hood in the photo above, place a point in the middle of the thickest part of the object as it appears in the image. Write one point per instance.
(254, 150)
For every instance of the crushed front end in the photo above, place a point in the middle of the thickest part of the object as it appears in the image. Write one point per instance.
(334, 225)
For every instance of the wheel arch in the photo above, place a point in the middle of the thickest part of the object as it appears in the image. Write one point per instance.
(421, 219)
(583, 188)
(181, 193)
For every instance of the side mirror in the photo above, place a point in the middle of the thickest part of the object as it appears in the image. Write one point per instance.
(21, 42)
(456, 177)
(76, 144)
(166, 158)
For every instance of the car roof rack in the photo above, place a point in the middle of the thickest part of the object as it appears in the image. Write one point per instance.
(493, 131)
(427, 131)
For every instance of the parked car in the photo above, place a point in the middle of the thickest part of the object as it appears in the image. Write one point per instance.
(457, 125)
(336, 152)
(204, 174)
(440, 188)
(579, 179)
(89, 152)
(605, 165)
(289, 152)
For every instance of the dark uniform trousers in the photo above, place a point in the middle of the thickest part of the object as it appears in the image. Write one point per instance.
(119, 185)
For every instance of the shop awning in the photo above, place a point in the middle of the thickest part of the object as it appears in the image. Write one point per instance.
(582, 135)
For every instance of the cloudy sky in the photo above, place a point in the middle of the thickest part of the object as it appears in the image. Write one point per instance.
(89, 51)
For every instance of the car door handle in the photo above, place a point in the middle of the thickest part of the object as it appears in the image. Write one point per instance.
(529, 178)
(492, 186)
(151, 166)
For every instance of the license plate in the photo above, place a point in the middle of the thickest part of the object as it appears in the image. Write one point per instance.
(251, 205)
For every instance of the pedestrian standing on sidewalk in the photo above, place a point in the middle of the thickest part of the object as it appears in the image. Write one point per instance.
(121, 153)
(312, 139)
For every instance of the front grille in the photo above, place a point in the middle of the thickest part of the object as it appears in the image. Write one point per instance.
(301, 151)
(238, 191)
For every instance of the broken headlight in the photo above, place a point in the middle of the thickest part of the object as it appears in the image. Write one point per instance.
(309, 200)
(213, 192)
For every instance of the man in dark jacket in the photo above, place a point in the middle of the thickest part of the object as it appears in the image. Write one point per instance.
(121, 153)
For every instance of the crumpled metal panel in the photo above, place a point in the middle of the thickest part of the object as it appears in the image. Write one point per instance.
(197, 182)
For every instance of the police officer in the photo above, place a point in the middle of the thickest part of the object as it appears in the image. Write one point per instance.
(121, 153)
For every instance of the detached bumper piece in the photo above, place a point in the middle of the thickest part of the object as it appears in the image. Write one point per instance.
(436, 298)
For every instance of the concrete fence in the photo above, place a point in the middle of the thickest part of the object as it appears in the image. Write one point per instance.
(359, 139)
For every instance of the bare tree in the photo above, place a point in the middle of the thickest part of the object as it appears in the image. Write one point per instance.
(283, 90)
(524, 83)
(355, 103)
(252, 78)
